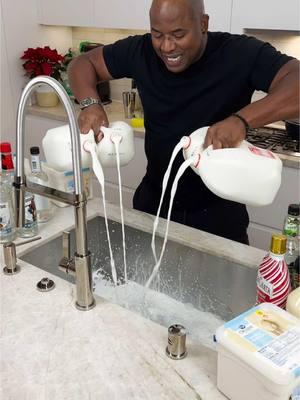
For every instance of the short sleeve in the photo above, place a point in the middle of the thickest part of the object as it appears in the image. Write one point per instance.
(120, 57)
(266, 65)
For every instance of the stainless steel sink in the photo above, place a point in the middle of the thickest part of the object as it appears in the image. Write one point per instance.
(194, 280)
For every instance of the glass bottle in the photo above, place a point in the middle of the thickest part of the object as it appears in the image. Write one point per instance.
(30, 227)
(43, 205)
(273, 280)
(7, 215)
(291, 231)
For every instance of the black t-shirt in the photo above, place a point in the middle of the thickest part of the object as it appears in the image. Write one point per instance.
(220, 83)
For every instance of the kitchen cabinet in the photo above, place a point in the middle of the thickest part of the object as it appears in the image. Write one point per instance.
(120, 14)
(66, 12)
(265, 14)
(269, 219)
(219, 14)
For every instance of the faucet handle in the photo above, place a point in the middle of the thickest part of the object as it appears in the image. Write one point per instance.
(66, 244)
(10, 256)
(67, 264)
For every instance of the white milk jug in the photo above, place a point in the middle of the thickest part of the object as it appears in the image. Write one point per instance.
(106, 150)
(245, 174)
(58, 154)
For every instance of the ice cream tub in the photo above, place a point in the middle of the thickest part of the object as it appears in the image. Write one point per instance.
(259, 355)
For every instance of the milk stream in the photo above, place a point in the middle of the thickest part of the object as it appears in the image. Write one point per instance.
(176, 150)
(116, 141)
(186, 164)
(91, 147)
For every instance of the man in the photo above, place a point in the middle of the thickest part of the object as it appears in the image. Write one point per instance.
(187, 78)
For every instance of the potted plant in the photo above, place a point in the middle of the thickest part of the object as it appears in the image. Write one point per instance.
(43, 61)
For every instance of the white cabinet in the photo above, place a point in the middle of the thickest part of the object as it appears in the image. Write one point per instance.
(219, 14)
(120, 14)
(265, 14)
(66, 12)
(267, 220)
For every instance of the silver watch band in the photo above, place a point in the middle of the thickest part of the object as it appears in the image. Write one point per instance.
(88, 101)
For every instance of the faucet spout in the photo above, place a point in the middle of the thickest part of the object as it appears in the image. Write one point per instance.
(83, 269)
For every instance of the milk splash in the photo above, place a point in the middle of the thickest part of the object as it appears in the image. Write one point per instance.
(180, 172)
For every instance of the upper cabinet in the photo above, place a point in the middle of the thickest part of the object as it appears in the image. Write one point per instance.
(219, 14)
(225, 15)
(66, 12)
(120, 14)
(265, 14)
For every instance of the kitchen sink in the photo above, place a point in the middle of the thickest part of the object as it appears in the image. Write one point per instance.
(194, 288)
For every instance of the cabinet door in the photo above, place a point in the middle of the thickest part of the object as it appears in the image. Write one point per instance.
(66, 12)
(120, 14)
(265, 14)
(219, 14)
(269, 219)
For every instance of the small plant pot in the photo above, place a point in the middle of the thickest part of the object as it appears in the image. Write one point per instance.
(46, 97)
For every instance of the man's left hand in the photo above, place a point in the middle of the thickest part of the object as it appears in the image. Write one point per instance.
(224, 134)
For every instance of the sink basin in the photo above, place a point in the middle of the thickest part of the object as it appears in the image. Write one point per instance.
(193, 288)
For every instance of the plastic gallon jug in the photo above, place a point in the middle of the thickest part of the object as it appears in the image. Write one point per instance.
(245, 174)
(58, 153)
(106, 149)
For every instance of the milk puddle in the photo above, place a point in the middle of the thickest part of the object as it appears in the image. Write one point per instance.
(160, 308)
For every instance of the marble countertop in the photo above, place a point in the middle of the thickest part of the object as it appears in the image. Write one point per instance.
(115, 112)
(50, 350)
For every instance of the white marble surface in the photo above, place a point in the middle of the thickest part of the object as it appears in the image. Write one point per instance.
(50, 350)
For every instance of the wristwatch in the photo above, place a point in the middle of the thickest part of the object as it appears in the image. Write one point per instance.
(88, 101)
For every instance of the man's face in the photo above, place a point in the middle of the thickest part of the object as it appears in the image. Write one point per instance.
(177, 33)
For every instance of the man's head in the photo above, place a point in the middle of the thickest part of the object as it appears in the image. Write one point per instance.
(178, 30)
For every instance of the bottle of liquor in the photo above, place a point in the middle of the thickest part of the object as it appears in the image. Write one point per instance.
(7, 216)
(30, 227)
(37, 175)
(291, 231)
(273, 280)
(7, 164)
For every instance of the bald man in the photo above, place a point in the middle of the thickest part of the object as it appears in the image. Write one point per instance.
(188, 77)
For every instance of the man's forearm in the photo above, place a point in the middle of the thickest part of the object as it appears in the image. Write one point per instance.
(282, 101)
(82, 78)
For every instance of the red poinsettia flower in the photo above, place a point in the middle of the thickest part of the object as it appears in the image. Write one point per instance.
(42, 61)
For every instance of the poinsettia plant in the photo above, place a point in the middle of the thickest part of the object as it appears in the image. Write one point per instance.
(42, 61)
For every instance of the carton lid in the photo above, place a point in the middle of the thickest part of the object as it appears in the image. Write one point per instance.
(268, 339)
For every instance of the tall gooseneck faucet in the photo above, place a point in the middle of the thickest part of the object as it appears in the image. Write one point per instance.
(83, 270)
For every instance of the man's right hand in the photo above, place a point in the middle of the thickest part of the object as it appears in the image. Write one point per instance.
(93, 117)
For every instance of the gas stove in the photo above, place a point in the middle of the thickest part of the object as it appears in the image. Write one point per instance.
(275, 140)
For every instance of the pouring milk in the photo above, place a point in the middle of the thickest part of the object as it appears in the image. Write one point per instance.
(245, 174)
(115, 149)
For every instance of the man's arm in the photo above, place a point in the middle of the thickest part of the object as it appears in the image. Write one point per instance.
(84, 72)
(281, 102)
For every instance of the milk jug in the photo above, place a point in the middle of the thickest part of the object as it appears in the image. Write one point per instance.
(57, 146)
(245, 174)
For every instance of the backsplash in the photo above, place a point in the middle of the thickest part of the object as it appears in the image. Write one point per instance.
(106, 36)
(286, 41)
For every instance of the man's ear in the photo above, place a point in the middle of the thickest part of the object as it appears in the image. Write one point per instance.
(204, 23)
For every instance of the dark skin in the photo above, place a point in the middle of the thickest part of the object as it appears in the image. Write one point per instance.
(179, 37)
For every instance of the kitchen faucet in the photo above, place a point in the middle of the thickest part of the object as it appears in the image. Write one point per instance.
(82, 270)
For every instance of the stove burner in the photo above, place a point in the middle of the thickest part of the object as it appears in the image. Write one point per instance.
(275, 140)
